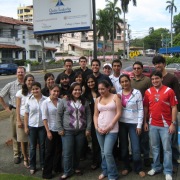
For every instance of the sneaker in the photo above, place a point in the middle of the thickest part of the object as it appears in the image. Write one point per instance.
(151, 172)
(168, 177)
(32, 171)
(17, 160)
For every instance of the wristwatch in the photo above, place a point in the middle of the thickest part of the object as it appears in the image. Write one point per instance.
(173, 122)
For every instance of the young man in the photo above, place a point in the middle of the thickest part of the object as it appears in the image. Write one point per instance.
(83, 67)
(10, 90)
(160, 101)
(142, 83)
(95, 66)
(64, 85)
(68, 64)
(107, 69)
(116, 67)
(171, 81)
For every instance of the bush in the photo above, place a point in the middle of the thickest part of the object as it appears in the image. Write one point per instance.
(20, 62)
(172, 60)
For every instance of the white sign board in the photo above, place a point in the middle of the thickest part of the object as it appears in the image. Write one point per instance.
(61, 16)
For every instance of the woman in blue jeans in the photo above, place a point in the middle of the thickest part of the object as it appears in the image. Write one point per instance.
(106, 115)
(74, 123)
(33, 125)
(130, 125)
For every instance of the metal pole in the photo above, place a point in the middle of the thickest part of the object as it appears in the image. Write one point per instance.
(124, 42)
(94, 29)
(43, 54)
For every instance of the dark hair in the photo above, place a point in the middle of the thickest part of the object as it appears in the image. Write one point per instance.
(87, 89)
(117, 61)
(24, 86)
(77, 74)
(156, 73)
(138, 63)
(82, 57)
(70, 96)
(158, 59)
(53, 86)
(68, 60)
(124, 75)
(36, 84)
(96, 60)
(47, 75)
(105, 83)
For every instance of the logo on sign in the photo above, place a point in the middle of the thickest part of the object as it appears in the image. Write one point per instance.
(59, 3)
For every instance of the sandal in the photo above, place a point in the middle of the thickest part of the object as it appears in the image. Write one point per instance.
(78, 172)
(142, 174)
(101, 176)
(94, 166)
(125, 172)
(63, 177)
(26, 163)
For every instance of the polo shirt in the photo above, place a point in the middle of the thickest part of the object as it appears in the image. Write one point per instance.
(159, 103)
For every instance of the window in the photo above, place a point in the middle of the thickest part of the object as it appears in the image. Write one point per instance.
(7, 53)
(17, 54)
(14, 33)
(24, 42)
(26, 10)
(32, 54)
(48, 55)
(118, 37)
(146, 70)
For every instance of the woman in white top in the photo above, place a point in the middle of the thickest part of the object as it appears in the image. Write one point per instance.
(53, 152)
(34, 125)
(21, 97)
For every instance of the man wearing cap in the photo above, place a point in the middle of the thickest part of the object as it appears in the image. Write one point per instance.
(107, 69)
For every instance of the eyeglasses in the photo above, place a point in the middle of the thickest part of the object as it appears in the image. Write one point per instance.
(137, 68)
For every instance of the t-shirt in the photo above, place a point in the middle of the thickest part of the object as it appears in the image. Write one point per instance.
(159, 103)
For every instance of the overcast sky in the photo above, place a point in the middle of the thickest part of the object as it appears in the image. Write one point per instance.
(147, 13)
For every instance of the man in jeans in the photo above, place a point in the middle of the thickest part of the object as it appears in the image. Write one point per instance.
(161, 103)
(10, 90)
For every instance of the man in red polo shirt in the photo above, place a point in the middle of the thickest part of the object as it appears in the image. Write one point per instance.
(161, 103)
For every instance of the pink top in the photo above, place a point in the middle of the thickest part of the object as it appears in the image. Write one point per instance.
(106, 115)
(125, 99)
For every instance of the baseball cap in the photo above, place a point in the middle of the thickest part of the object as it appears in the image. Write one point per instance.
(107, 64)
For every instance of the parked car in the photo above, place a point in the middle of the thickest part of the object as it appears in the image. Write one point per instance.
(8, 68)
(147, 70)
(174, 68)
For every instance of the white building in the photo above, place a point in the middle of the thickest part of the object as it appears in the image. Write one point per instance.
(17, 41)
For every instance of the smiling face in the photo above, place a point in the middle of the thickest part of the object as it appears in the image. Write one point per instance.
(137, 70)
(76, 93)
(79, 79)
(160, 66)
(103, 90)
(83, 63)
(107, 70)
(125, 83)
(36, 91)
(68, 67)
(95, 67)
(156, 81)
(50, 81)
(20, 74)
(29, 82)
(116, 67)
(54, 93)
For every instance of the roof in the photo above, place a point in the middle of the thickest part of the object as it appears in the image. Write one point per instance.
(9, 20)
(50, 48)
(7, 46)
(78, 47)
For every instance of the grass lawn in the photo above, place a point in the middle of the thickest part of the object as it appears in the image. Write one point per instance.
(16, 177)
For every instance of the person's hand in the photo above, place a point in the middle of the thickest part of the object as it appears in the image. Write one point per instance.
(7, 109)
(19, 124)
(88, 133)
(138, 131)
(101, 131)
(49, 135)
(26, 129)
(172, 129)
(119, 96)
(146, 127)
(108, 129)
(61, 133)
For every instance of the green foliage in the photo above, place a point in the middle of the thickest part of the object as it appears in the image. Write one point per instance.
(172, 60)
(176, 40)
(61, 62)
(33, 63)
(16, 177)
(176, 24)
(20, 62)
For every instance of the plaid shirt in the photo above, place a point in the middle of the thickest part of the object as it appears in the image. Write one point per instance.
(10, 90)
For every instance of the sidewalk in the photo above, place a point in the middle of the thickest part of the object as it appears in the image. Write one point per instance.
(7, 165)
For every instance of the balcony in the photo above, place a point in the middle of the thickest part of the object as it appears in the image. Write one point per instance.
(7, 40)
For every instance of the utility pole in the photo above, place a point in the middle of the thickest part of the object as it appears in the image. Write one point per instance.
(124, 42)
(94, 29)
(128, 41)
(43, 54)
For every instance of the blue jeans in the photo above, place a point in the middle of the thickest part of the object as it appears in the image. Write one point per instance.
(125, 130)
(73, 143)
(156, 135)
(37, 134)
(108, 164)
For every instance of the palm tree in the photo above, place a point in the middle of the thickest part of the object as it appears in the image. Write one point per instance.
(124, 6)
(114, 15)
(103, 26)
(171, 7)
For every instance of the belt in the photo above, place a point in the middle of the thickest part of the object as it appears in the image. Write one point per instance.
(11, 107)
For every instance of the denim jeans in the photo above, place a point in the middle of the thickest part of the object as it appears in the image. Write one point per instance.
(125, 130)
(73, 142)
(156, 135)
(37, 134)
(108, 164)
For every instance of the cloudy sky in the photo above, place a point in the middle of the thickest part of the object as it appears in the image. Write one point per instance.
(147, 13)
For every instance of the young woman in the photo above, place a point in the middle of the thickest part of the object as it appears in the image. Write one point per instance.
(49, 81)
(21, 98)
(130, 125)
(53, 140)
(79, 79)
(91, 94)
(74, 119)
(106, 115)
(34, 125)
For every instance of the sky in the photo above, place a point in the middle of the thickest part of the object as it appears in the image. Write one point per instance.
(147, 13)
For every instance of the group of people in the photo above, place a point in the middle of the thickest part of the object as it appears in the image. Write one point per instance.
(115, 111)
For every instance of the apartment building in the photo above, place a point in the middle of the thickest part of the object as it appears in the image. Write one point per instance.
(25, 13)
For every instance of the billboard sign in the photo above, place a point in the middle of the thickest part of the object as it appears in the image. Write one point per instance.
(61, 16)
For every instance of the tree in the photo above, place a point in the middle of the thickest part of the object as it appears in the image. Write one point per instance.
(176, 23)
(176, 40)
(114, 15)
(151, 30)
(103, 26)
(124, 6)
(171, 7)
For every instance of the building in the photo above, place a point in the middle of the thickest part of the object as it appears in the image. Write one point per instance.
(17, 42)
(25, 13)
